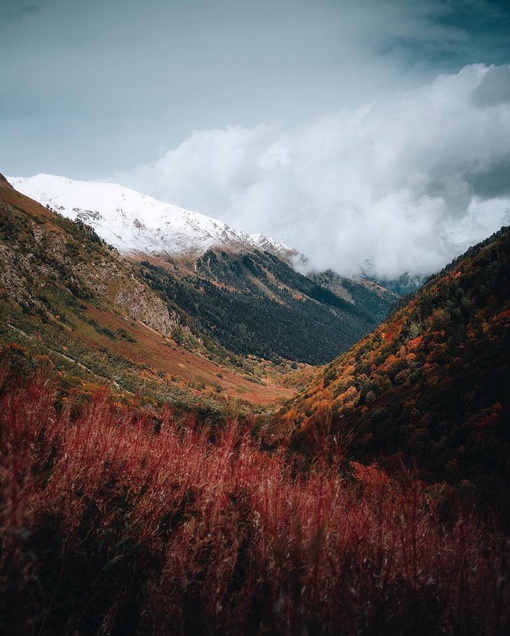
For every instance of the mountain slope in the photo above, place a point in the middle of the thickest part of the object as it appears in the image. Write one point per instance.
(70, 302)
(71, 257)
(135, 222)
(236, 288)
(431, 385)
(256, 304)
(368, 295)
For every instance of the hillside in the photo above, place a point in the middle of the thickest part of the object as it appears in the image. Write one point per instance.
(237, 289)
(373, 297)
(430, 387)
(70, 302)
(140, 496)
(257, 304)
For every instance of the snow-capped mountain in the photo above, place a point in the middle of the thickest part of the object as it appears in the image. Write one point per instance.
(135, 222)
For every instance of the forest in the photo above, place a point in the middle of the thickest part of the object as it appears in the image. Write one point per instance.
(257, 304)
(429, 387)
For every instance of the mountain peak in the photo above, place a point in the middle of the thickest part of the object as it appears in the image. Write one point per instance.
(137, 223)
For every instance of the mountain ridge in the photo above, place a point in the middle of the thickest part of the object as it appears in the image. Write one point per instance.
(240, 289)
(71, 303)
(135, 222)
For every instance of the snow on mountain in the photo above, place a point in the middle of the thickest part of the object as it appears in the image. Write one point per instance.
(135, 222)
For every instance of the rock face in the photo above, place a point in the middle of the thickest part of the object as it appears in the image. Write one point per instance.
(147, 308)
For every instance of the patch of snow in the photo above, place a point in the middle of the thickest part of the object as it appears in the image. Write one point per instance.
(135, 222)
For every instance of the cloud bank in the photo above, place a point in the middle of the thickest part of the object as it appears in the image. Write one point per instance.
(400, 185)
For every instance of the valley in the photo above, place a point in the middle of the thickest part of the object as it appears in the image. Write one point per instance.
(255, 318)
(176, 326)
(213, 440)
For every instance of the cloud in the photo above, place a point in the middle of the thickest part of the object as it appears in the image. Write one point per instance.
(403, 184)
(93, 87)
(494, 88)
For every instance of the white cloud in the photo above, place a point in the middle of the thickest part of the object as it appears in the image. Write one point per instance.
(406, 183)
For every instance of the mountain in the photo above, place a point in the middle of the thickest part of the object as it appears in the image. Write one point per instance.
(430, 387)
(403, 285)
(70, 255)
(135, 222)
(257, 304)
(69, 302)
(238, 289)
(370, 295)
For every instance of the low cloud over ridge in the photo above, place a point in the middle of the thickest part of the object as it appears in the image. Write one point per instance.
(398, 185)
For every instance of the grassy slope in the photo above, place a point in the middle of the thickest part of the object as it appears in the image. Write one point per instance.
(117, 522)
(110, 324)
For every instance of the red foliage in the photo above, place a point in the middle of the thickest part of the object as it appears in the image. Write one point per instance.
(112, 523)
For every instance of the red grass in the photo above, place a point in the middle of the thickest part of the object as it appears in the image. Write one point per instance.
(109, 527)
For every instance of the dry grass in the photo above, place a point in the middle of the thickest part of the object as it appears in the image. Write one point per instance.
(116, 523)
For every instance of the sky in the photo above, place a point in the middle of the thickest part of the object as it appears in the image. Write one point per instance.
(372, 135)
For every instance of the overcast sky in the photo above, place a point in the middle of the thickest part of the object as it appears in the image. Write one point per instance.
(355, 130)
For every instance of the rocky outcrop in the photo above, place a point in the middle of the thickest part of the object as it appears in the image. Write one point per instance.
(37, 254)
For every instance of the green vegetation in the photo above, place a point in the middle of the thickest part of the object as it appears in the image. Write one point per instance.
(257, 304)
(368, 296)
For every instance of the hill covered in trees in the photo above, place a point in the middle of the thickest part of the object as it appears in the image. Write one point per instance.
(256, 303)
(430, 387)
